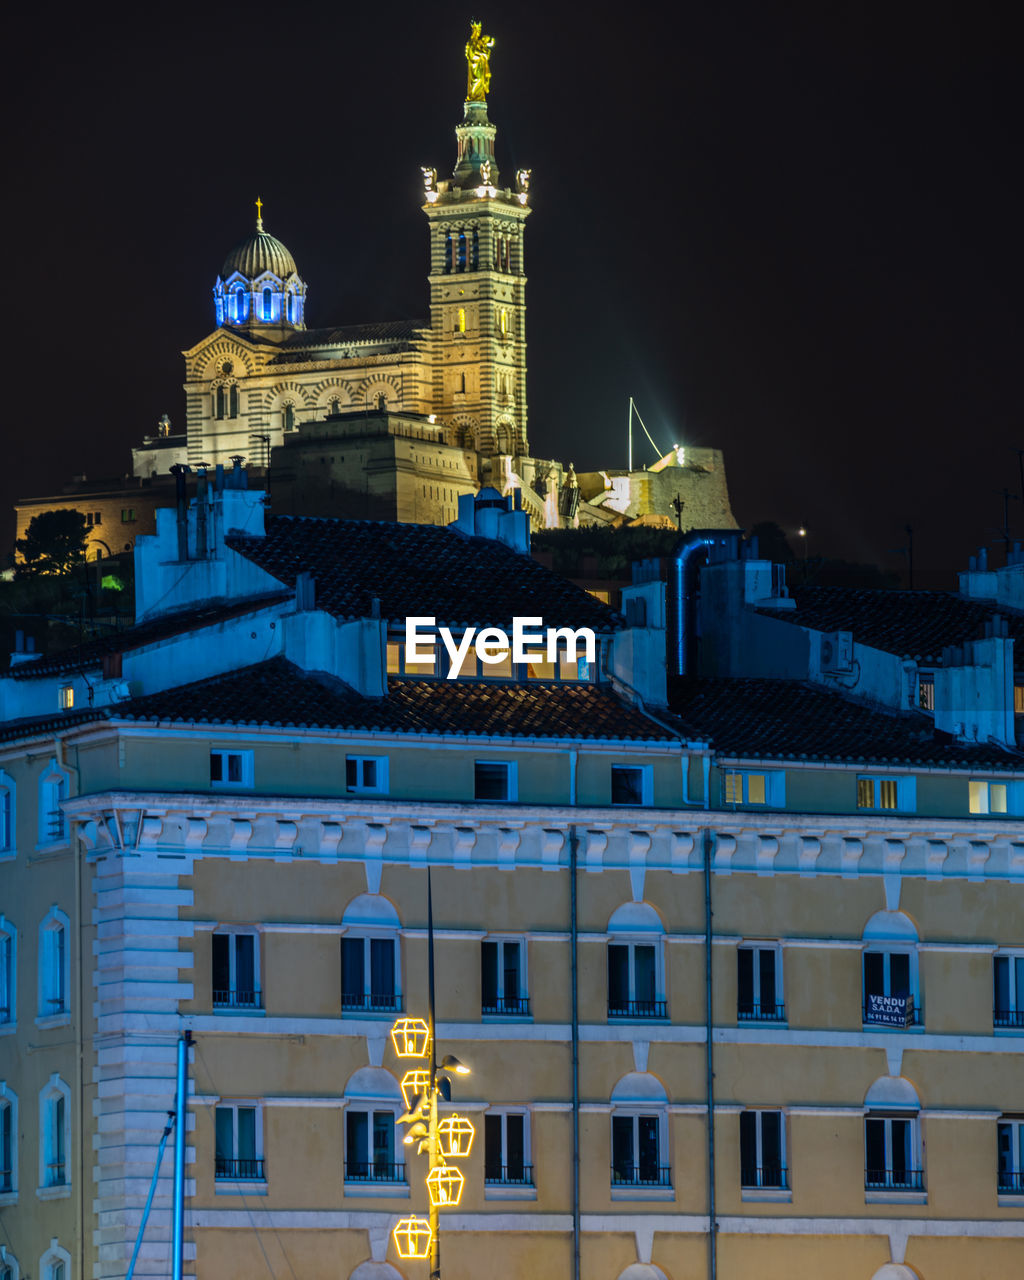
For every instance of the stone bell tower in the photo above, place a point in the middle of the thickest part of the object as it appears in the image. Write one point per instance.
(478, 281)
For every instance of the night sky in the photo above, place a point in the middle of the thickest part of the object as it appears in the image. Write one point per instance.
(790, 231)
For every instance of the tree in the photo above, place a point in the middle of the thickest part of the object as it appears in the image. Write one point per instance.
(53, 543)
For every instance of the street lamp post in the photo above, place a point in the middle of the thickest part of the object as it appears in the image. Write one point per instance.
(451, 1138)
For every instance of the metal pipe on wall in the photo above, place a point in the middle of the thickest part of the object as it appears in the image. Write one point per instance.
(709, 1027)
(573, 848)
(180, 1096)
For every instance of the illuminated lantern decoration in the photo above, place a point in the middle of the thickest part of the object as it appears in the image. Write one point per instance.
(444, 1183)
(415, 1082)
(410, 1036)
(454, 1137)
(412, 1237)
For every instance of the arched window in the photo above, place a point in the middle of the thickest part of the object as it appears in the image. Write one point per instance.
(373, 1103)
(335, 406)
(462, 383)
(448, 253)
(370, 968)
(892, 995)
(241, 301)
(892, 1137)
(233, 401)
(639, 1137)
(462, 250)
(8, 972)
(636, 963)
(476, 249)
(268, 303)
(7, 813)
(289, 417)
(460, 324)
(55, 1264)
(220, 402)
(54, 1138)
(291, 308)
(8, 1140)
(9, 1269)
(54, 987)
(53, 791)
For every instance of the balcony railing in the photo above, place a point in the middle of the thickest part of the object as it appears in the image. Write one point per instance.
(57, 827)
(638, 1009)
(1008, 1017)
(641, 1175)
(754, 1011)
(373, 1171)
(508, 1175)
(510, 1006)
(774, 1176)
(357, 1002)
(245, 1170)
(238, 999)
(893, 1179)
(1011, 1181)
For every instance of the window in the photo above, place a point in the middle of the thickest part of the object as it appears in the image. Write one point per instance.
(8, 1264)
(368, 974)
(926, 691)
(762, 1160)
(1008, 991)
(235, 974)
(753, 788)
(53, 965)
(631, 784)
(635, 972)
(66, 697)
(891, 996)
(7, 827)
(461, 323)
(221, 402)
(987, 797)
(367, 774)
(335, 407)
(1018, 699)
(289, 417)
(53, 791)
(8, 1141)
(127, 515)
(231, 769)
(890, 1154)
(55, 1264)
(759, 985)
(1010, 1141)
(267, 304)
(506, 1161)
(503, 978)
(370, 1147)
(239, 1142)
(54, 1137)
(233, 401)
(494, 780)
(887, 793)
(636, 1151)
(8, 973)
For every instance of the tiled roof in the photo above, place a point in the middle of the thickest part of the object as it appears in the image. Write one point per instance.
(915, 624)
(419, 570)
(58, 722)
(277, 693)
(788, 720)
(89, 655)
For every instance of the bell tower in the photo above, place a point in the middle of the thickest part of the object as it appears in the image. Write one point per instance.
(478, 281)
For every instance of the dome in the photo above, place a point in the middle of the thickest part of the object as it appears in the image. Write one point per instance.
(261, 252)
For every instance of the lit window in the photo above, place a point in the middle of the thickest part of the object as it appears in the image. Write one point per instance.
(506, 1149)
(759, 984)
(366, 774)
(54, 988)
(891, 1161)
(461, 324)
(739, 787)
(1008, 990)
(127, 515)
(8, 1140)
(1010, 1145)
(499, 664)
(887, 793)
(370, 1147)
(66, 697)
(637, 1145)
(235, 971)
(632, 784)
(1018, 699)
(539, 668)
(368, 973)
(54, 1135)
(494, 780)
(239, 1143)
(503, 978)
(8, 972)
(427, 667)
(987, 797)
(267, 304)
(291, 308)
(394, 658)
(762, 1155)
(231, 769)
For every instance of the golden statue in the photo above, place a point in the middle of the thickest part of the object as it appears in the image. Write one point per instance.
(478, 56)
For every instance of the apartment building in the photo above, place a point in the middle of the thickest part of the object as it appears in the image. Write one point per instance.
(790, 915)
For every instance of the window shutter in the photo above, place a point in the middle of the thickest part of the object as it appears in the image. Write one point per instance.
(352, 972)
(489, 974)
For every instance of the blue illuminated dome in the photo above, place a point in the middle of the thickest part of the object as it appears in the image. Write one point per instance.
(259, 284)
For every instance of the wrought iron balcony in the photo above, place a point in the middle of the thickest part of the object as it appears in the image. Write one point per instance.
(1011, 1182)
(893, 1179)
(57, 827)
(774, 1176)
(1008, 1017)
(637, 1008)
(754, 1011)
(373, 1171)
(627, 1174)
(509, 1006)
(238, 999)
(244, 1170)
(508, 1175)
(358, 1002)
